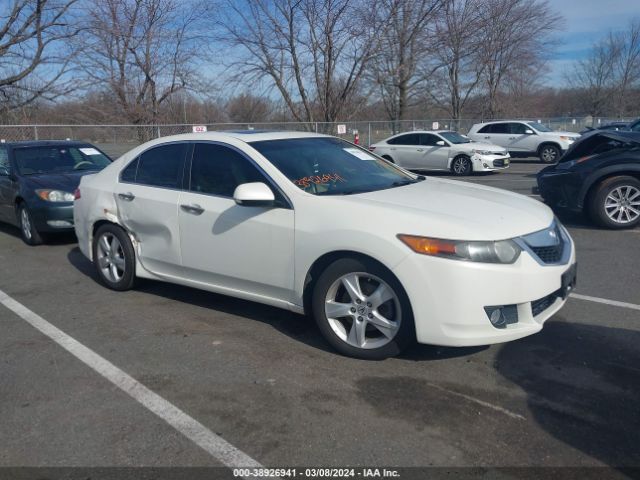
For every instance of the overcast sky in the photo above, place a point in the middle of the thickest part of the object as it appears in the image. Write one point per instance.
(586, 21)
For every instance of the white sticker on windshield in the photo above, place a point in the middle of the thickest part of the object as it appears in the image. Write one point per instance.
(356, 152)
(90, 151)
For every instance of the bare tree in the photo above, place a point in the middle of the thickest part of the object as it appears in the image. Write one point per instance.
(314, 52)
(625, 50)
(457, 69)
(248, 108)
(405, 42)
(33, 60)
(142, 51)
(512, 29)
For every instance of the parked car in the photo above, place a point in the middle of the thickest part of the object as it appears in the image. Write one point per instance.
(620, 126)
(313, 224)
(524, 138)
(441, 150)
(37, 181)
(599, 176)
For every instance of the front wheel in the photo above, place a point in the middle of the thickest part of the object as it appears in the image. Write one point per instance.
(549, 154)
(362, 310)
(461, 166)
(28, 231)
(615, 203)
(114, 257)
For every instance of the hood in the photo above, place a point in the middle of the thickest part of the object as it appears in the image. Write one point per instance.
(489, 147)
(454, 210)
(596, 143)
(559, 134)
(67, 182)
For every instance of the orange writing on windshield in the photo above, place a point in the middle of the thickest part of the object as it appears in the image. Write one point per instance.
(305, 182)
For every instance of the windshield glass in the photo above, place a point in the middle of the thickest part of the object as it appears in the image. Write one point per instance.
(330, 166)
(59, 159)
(541, 127)
(454, 137)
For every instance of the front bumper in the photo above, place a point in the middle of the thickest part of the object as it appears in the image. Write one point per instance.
(52, 217)
(448, 297)
(560, 189)
(489, 163)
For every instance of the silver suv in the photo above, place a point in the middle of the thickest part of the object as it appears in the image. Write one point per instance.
(523, 138)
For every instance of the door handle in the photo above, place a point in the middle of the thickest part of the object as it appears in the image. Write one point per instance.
(127, 196)
(487, 138)
(512, 138)
(419, 150)
(194, 209)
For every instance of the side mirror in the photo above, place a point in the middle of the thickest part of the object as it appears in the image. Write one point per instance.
(440, 143)
(528, 132)
(255, 194)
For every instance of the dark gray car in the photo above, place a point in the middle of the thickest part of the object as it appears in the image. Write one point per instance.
(37, 184)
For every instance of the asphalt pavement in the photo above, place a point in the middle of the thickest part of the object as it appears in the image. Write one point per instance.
(264, 381)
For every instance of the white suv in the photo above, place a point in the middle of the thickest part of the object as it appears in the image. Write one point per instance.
(524, 138)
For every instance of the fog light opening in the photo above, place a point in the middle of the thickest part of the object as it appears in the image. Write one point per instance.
(502, 315)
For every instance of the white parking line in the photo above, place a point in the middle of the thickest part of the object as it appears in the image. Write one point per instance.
(615, 303)
(216, 446)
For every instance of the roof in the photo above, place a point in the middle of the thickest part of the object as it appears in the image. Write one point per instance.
(44, 143)
(247, 136)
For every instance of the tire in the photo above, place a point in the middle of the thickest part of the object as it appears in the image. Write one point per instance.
(28, 231)
(110, 257)
(549, 153)
(388, 158)
(608, 205)
(461, 166)
(367, 342)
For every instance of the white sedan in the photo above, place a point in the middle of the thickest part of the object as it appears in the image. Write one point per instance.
(313, 224)
(442, 150)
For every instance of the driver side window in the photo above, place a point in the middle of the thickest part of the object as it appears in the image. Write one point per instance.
(518, 128)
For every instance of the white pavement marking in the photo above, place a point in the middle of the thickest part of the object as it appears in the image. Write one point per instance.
(497, 408)
(615, 303)
(214, 445)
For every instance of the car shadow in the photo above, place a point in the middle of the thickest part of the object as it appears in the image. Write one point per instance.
(301, 328)
(582, 384)
(49, 238)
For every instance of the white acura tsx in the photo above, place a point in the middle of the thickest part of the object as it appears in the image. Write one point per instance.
(380, 257)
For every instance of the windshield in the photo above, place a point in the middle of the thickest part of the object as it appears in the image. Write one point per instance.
(541, 127)
(454, 137)
(330, 166)
(59, 159)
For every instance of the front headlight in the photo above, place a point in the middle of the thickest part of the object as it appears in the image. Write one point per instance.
(567, 139)
(501, 251)
(483, 152)
(55, 195)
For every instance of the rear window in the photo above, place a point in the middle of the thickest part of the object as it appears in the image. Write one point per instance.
(59, 159)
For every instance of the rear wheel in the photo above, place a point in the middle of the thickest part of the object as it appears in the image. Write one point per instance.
(615, 203)
(362, 310)
(549, 153)
(461, 165)
(114, 257)
(28, 231)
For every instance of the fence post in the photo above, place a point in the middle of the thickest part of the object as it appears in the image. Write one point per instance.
(35, 132)
(158, 127)
(316, 127)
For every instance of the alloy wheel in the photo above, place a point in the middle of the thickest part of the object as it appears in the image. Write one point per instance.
(25, 223)
(111, 257)
(622, 204)
(549, 154)
(460, 165)
(363, 310)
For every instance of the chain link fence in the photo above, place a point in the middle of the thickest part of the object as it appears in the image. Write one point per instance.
(117, 139)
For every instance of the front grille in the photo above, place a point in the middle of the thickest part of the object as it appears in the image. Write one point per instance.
(498, 163)
(549, 246)
(551, 254)
(539, 306)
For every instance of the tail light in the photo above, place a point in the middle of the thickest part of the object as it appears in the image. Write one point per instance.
(76, 194)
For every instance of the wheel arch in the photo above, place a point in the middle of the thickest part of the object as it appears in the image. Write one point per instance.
(549, 142)
(595, 179)
(388, 157)
(321, 263)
